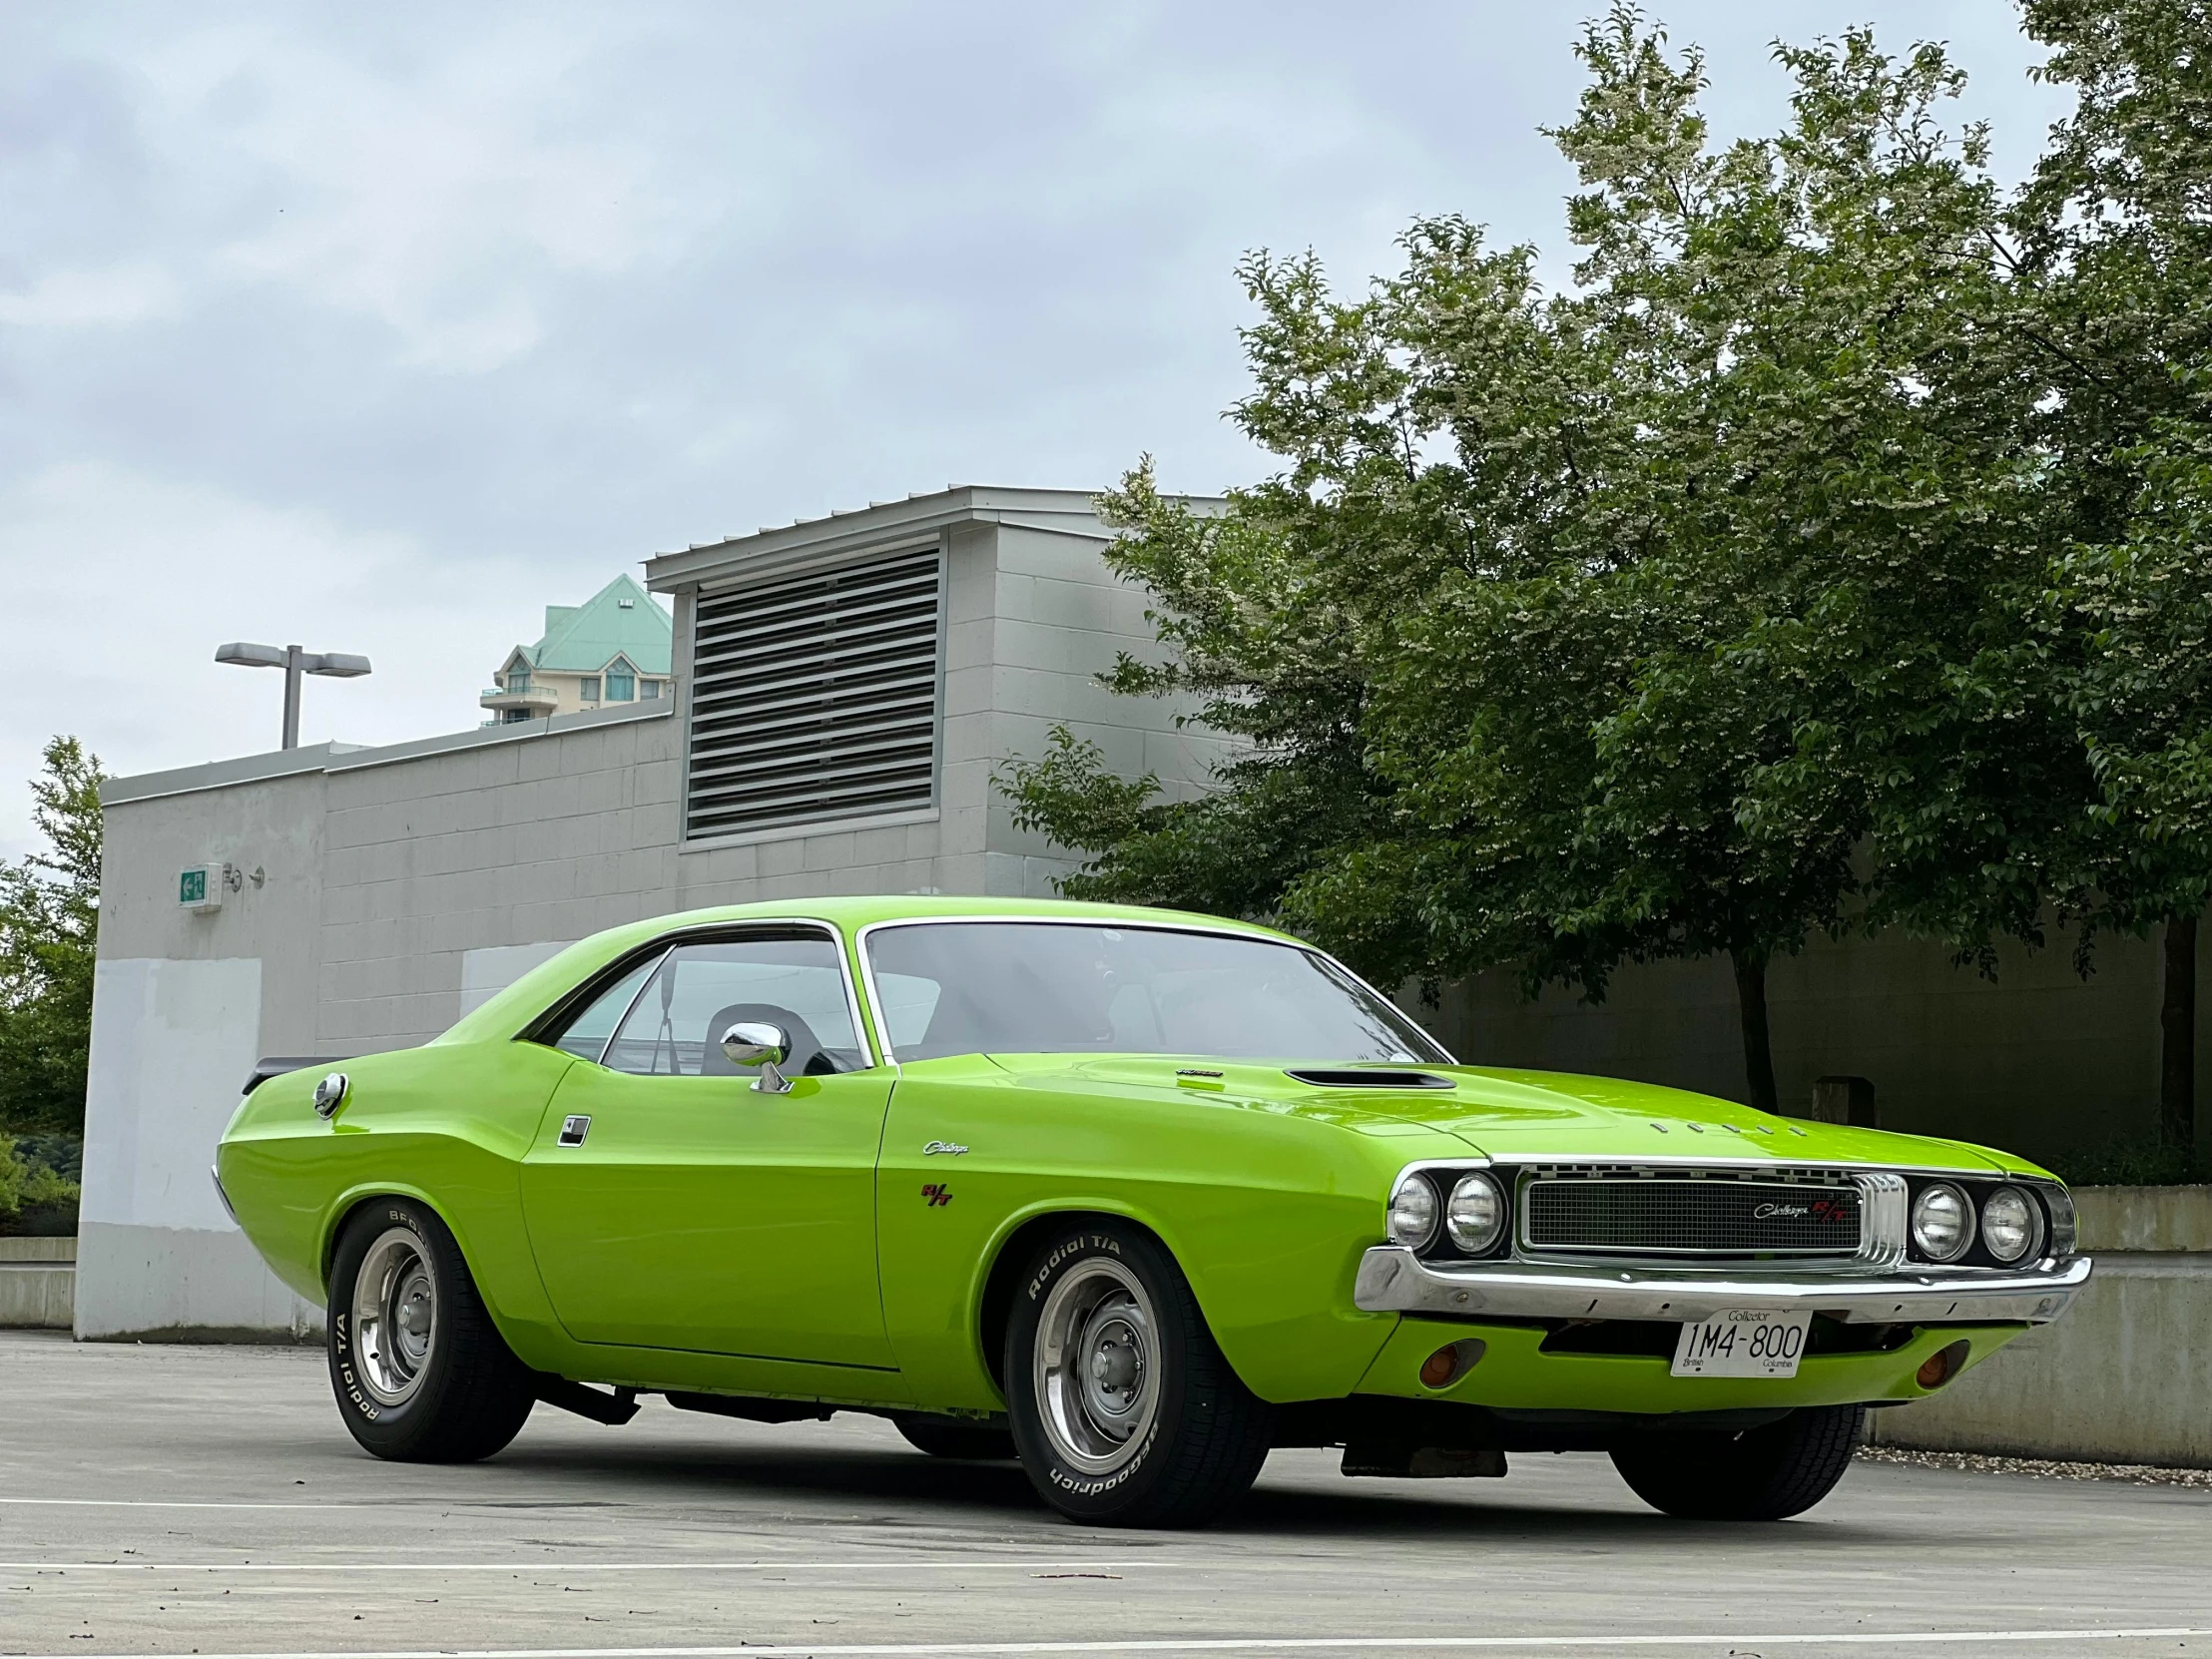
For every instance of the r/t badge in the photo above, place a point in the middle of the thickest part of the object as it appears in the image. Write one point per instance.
(939, 1194)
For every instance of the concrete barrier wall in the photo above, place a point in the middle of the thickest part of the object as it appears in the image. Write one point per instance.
(2125, 1376)
(38, 1280)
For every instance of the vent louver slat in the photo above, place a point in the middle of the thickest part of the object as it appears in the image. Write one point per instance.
(814, 698)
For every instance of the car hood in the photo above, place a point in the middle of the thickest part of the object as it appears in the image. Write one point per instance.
(1508, 1113)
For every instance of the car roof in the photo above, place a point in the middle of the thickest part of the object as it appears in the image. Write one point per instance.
(512, 1009)
(854, 913)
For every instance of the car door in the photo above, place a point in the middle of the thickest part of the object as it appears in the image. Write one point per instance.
(673, 1205)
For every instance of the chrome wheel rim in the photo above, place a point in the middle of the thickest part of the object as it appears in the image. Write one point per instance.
(1097, 1366)
(396, 1315)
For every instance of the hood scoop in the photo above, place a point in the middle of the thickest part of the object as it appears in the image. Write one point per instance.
(1346, 1078)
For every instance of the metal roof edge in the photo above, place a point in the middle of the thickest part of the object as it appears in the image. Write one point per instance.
(520, 731)
(345, 757)
(877, 522)
(216, 775)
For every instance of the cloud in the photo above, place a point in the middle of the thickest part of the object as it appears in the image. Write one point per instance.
(429, 187)
(111, 299)
(379, 328)
(122, 584)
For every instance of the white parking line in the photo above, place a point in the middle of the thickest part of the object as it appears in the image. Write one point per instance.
(177, 1503)
(554, 1564)
(1735, 1642)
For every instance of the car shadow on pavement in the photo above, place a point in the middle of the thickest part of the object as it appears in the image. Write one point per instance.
(692, 1472)
(1417, 1513)
(689, 1472)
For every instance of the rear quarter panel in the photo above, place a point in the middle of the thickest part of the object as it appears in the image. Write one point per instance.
(447, 1124)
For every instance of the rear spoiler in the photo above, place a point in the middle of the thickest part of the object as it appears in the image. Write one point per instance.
(275, 1065)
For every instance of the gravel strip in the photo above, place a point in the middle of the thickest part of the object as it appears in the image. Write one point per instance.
(2037, 1468)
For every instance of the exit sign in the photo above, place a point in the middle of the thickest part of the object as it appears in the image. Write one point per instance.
(200, 888)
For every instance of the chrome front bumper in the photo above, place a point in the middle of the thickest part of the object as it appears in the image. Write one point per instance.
(1394, 1280)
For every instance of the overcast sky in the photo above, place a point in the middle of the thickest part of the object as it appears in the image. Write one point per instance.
(377, 328)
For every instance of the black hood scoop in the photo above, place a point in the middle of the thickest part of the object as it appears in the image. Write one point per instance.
(1349, 1078)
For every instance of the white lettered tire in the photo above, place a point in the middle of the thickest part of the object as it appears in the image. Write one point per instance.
(1123, 1408)
(421, 1373)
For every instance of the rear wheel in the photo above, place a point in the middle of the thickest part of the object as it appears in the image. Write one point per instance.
(951, 1437)
(1766, 1473)
(1124, 1409)
(421, 1373)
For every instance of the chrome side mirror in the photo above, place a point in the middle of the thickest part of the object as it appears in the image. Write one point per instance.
(764, 1046)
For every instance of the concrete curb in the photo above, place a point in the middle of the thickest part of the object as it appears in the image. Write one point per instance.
(38, 1284)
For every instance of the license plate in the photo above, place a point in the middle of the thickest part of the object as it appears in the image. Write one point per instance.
(1744, 1342)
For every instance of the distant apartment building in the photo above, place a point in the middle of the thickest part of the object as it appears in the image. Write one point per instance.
(614, 647)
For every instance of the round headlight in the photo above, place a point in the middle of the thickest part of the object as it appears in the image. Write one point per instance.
(2010, 1224)
(1942, 1223)
(1413, 1218)
(1475, 1214)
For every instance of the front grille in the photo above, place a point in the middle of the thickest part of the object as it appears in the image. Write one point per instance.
(1630, 1214)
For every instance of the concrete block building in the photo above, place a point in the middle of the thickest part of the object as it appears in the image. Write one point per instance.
(842, 693)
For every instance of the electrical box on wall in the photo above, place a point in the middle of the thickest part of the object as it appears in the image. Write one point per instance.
(200, 888)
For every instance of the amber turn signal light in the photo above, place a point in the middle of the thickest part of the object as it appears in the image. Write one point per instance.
(1450, 1363)
(1942, 1365)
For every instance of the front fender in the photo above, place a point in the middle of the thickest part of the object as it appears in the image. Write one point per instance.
(1267, 1212)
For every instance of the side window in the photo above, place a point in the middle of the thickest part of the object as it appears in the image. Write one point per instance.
(907, 1002)
(587, 1034)
(700, 991)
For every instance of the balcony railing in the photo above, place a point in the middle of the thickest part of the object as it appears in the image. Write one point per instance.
(530, 697)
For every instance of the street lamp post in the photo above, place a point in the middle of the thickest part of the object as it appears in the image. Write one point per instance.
(294, 661)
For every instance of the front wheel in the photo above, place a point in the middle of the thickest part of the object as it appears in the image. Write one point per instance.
(421, 1373)
(1123, 1408)
(1768, 1473)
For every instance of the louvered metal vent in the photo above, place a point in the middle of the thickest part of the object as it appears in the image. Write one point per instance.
(814, 698)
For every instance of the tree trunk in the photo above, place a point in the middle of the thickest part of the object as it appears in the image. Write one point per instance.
(1751, 999)
(2177, 1021)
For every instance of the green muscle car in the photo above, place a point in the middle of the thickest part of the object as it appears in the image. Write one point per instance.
(1131, 1195)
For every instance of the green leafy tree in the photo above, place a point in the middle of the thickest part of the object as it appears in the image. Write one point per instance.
(49, 919)
(33, 1193)
(1576, 626)
(2101, 677)
(2133, 625)
(1845, 481)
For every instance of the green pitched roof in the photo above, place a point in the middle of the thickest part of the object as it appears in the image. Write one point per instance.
(620, 620)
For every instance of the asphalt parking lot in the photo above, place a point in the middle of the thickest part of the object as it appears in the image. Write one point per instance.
(180, 1500)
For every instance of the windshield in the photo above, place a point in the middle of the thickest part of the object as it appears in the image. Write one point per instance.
(975, 988)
